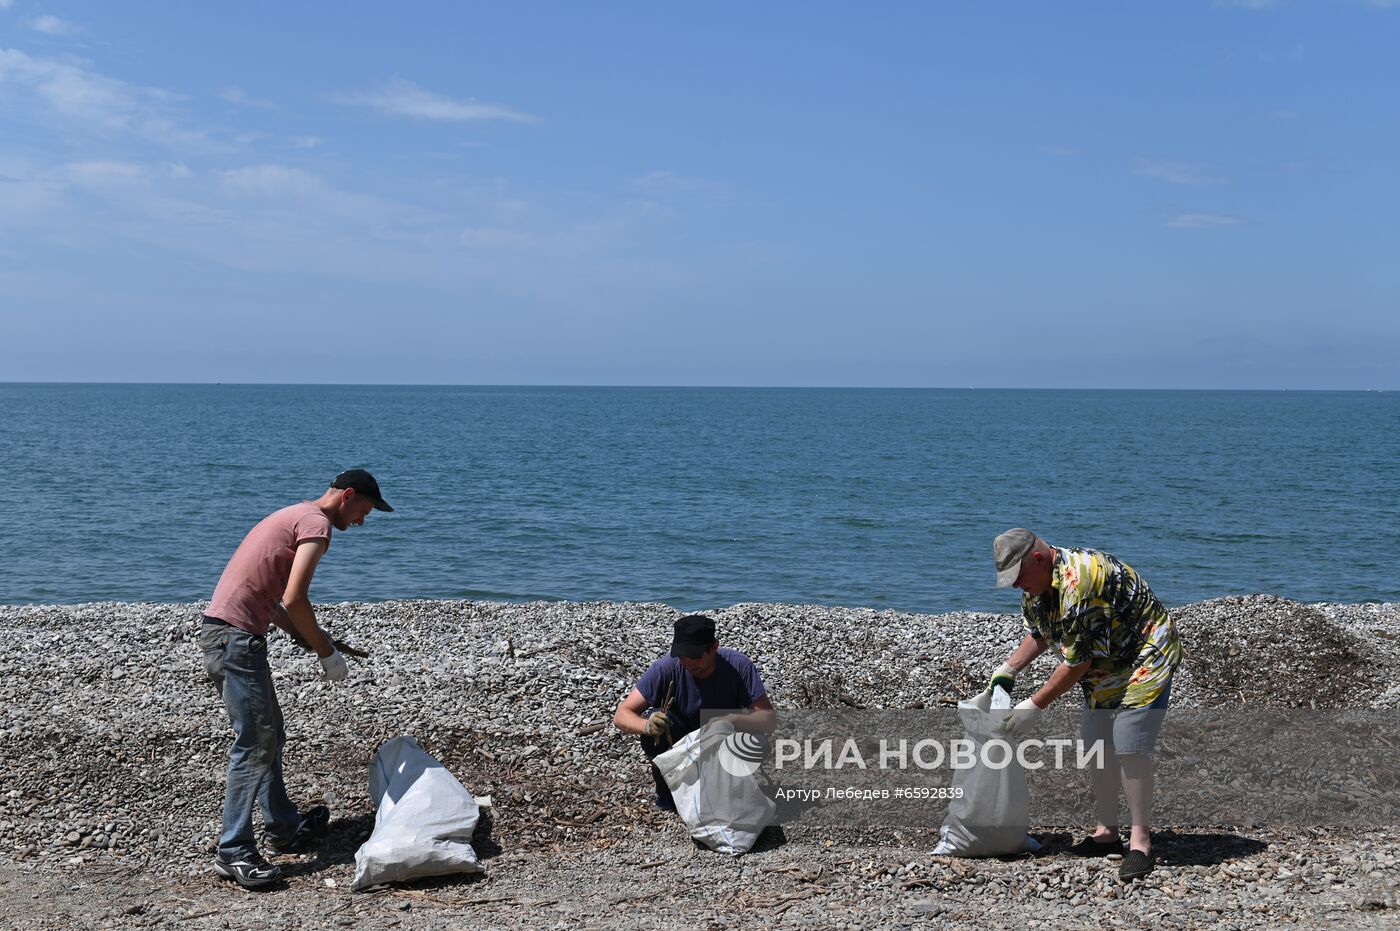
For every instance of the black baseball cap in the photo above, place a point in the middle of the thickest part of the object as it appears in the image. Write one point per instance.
(364, 484)
(695, 634)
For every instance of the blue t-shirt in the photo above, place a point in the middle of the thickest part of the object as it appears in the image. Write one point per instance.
(734, 684)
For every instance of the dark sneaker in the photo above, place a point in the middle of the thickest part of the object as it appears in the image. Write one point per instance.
(1089, 847)
(250, 872)
(1135, 865)
(313, 825)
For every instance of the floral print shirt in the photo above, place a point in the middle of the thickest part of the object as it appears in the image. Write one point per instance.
(1098, 609)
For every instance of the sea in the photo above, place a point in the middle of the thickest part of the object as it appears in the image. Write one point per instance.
(701, 497)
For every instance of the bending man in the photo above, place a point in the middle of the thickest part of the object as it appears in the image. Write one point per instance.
(1117, 641)
(266, 583)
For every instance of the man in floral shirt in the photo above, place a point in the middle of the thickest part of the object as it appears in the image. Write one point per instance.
(1117, 641)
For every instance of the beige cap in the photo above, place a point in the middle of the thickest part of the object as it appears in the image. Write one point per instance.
(1009, 549)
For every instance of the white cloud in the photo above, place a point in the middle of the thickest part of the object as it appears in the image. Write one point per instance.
(664, 183)
(237, 95)
(398, 97)
(53, 26)
(304, 142)
(1172, 172)
(71, 89)
(100, 173)
(168, 132)
(1202, 221)
(6, 4)
(490, 236)
(268, 181)
(268, 217)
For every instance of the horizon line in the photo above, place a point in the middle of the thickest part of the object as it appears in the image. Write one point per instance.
(693, 387)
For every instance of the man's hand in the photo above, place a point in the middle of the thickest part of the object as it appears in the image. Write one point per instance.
(334, 666)
(658, 724)
(1022, 720)
(1004, 677)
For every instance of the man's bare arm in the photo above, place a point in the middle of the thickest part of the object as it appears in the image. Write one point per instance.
(628, 716)
(1060, 682)
(762, 719)
(296, 603)
(1026, 653)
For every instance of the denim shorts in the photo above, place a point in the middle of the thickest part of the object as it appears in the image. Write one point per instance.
(1127, 731)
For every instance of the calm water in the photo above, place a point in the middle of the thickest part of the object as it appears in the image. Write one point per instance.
(701, 497)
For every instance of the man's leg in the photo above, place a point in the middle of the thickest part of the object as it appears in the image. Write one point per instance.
(1097, 725)
(1137, 785)
(280, 816)
(1135, 735)
(252, 708)
(651, 747)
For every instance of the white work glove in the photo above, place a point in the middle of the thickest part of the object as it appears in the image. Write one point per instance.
(1022, 720)
(1005, 677)
(334, 667)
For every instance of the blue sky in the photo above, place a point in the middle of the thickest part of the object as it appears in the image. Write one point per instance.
(1193, 194)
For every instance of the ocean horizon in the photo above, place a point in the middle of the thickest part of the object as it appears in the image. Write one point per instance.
(678, 387)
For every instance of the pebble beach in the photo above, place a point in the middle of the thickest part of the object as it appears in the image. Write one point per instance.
(114, 748)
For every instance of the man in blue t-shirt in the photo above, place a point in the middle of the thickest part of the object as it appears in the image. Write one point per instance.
(698, 682)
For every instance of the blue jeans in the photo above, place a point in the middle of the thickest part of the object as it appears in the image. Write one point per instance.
(236, 662)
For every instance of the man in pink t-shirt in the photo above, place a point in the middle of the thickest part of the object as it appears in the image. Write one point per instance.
(266, 583)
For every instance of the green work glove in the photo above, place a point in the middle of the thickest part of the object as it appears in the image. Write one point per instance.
(658, 724)
(1005, 677)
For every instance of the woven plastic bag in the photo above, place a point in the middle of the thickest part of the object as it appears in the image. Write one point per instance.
(712, 774)
(991, 815)
(423, 821)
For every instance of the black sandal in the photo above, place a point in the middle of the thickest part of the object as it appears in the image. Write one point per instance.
(1135, 865)
(1089, 847)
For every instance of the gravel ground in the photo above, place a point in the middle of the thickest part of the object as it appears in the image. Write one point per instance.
(113, 751)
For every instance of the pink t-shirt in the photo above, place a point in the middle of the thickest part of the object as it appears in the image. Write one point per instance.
(255, 578)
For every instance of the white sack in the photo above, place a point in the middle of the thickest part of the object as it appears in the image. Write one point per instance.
(991, 816)
(723, 805)
(424, 819)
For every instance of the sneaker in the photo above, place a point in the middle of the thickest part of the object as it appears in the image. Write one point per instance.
(250, 872)
(313, 825)
(1135, 865)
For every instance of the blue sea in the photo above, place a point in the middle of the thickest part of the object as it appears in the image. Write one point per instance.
(701, 498)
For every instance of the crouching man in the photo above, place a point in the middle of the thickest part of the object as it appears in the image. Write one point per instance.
(698, 682)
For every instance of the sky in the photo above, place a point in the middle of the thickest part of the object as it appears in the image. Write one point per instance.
(1069, 195)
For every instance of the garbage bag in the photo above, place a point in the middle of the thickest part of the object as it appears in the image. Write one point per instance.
(991, 815)
(423, 821)
(712, 773)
